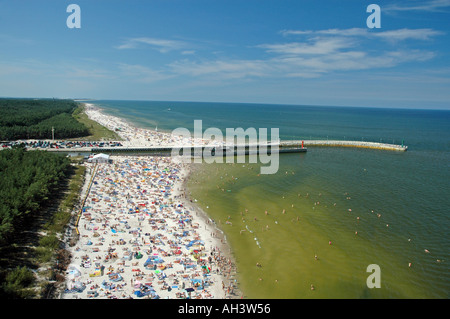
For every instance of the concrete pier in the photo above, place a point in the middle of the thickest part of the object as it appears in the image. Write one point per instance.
(193, 150)
(338, 143)
(286, 146)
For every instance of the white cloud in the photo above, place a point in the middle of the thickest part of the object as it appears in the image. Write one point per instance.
(319, 52)
(161, 45)
(140, 73)
(77, 72)
(334, 50)
(311, 66)
(341, 32)
(405, 34)
(390, 35)
(316, 46)
(430, 6)
(225, 69)
(300, 65)
(295, 32)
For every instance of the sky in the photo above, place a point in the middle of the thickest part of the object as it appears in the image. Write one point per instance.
(303, 52)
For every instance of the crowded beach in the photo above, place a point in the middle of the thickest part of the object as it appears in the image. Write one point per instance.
(140, 137)
(139, 235)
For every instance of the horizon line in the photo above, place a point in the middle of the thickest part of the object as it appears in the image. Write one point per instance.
(234, 102)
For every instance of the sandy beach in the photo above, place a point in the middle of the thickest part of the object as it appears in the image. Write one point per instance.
(140, 137)
(139, 235)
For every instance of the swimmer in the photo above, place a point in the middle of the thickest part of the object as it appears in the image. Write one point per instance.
(284, 211)
(312, 287)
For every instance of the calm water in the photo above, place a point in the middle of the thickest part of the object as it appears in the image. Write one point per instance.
(376, 207)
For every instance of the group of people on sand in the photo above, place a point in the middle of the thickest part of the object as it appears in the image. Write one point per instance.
(137, 240)
(139, 137)
(137, 237)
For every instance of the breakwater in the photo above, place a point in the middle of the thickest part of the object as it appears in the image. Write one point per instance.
(286, 146)
(197, 150)
(340, 143)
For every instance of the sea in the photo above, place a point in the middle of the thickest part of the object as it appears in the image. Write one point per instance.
(332, 223)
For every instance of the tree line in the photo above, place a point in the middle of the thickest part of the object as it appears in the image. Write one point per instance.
(27, 179)
(35, 118)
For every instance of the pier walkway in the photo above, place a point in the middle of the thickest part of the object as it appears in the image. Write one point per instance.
(286, 146)
(212, 150)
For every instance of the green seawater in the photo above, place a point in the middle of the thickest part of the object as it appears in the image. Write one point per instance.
(368, 215)
(375, 207)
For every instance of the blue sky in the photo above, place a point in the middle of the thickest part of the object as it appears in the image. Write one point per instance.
(258, 51)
